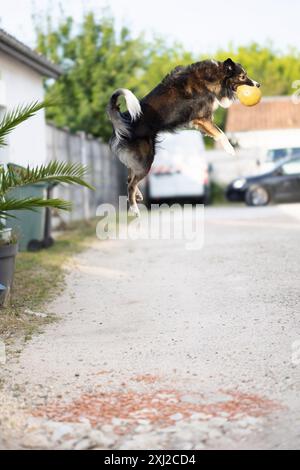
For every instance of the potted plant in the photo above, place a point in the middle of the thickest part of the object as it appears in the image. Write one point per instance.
(8, 252)
(54, 172)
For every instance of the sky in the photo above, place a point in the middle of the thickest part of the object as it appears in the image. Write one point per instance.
(201, 26)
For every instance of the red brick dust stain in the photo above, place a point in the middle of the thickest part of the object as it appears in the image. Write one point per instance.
(158, 407)
(146, 378)
(243, 404)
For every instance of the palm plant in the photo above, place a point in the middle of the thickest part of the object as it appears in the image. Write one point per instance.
(54, 172)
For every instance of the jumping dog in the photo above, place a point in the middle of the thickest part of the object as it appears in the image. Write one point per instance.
(186, 97)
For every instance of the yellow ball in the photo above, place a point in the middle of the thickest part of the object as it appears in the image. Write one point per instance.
(248, 95)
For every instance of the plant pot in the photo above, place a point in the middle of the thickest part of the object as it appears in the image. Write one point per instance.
(8, 255)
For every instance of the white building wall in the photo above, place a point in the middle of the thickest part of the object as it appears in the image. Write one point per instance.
(19, 84)
(225, 168)
(266, 139)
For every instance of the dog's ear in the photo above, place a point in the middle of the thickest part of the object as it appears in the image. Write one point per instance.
(229, 67)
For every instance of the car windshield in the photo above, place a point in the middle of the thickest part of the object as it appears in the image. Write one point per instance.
(294, 162)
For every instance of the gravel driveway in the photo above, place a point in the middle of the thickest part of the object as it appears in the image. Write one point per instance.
(159, 347)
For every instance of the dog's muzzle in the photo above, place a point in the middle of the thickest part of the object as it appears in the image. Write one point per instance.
(254, 83)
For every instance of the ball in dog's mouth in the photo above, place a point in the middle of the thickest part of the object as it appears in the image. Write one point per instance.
(248, 95)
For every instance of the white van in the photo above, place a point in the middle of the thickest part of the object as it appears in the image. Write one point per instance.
(179, 170)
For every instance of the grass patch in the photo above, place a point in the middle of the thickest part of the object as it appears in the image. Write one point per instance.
(38, 278)
(217, 194)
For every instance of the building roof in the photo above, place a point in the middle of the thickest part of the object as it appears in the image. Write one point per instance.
(15, 48)
(271, 113)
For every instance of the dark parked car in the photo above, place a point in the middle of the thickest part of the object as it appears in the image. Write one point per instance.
(281, 184)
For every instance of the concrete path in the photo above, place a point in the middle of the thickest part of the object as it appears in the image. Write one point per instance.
(162, 347)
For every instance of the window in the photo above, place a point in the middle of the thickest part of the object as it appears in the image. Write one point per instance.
(295, 152)
(276, 154)
(291, 168)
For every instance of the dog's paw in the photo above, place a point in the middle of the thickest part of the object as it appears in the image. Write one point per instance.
(228, 147)
(139, 196)
(134, 210)
(230, 150)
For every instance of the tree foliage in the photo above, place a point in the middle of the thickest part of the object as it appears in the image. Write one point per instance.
(97, 58)
(12, 177)
(275, 70)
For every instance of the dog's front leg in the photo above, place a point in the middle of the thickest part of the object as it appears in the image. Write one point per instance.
(213, 131)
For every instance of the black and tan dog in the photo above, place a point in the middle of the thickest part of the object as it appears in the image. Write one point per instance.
(187, 97)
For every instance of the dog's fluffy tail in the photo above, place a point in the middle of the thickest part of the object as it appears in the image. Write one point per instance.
(121, 125)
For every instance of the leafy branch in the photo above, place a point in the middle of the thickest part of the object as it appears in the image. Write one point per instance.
(53, 172)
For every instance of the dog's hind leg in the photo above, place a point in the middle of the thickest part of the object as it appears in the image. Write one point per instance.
(133, 193)
(213, 131)
(129, 179)
(142, 158)
(138, 195)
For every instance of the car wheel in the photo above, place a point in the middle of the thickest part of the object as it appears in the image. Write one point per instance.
(257, 196)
